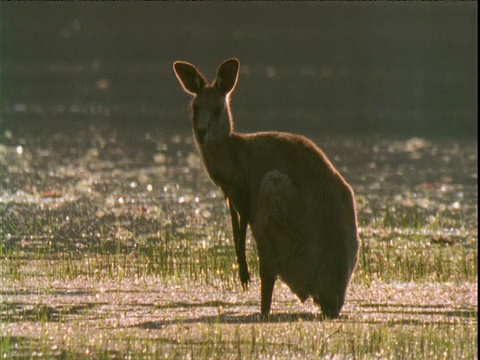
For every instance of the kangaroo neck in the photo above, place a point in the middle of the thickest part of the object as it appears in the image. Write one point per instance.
(224, 161)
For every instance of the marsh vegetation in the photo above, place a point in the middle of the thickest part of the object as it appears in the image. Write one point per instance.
(117, 245)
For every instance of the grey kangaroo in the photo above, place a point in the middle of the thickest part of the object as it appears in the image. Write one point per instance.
(299, 208)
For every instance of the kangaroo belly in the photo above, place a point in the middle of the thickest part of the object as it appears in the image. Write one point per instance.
(301, 243)
(279, 232)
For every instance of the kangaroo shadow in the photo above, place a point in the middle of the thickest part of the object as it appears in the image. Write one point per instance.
(413, 314)
(232, 318)
(426, 310)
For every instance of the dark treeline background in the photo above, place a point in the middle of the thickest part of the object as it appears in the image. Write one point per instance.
(389, 67)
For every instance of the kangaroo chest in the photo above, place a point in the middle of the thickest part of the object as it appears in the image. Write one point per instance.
(229, 173)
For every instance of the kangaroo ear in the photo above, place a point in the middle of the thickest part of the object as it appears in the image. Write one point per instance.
(227, 75)
(189, 77)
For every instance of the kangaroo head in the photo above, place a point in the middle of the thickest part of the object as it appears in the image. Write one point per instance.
(212, 119)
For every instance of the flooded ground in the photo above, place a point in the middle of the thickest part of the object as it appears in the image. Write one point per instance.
(116, 245)
(65, 191)
(120, 233)
(150, 320)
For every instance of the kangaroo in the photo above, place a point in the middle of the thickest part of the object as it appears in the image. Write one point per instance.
(299, 208)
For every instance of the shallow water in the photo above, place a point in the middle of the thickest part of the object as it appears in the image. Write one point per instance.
(72, 190)
(115, 243)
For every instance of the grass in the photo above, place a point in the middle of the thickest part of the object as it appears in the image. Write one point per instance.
(217, 338)
(385, 262)
(386, 254)
(40, 319)
(125, 272)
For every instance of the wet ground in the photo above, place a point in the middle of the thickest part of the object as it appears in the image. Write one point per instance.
(149, 319)
(115, 243)
(64, 190)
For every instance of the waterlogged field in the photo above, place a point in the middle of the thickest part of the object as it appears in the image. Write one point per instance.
(115, 244)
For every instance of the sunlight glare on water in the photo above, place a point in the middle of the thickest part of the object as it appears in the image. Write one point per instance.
(139, 195)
